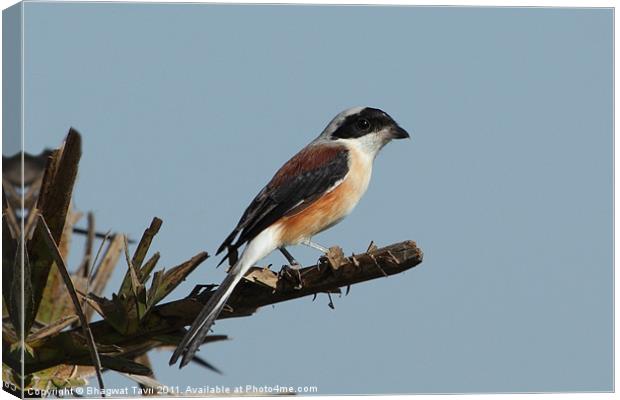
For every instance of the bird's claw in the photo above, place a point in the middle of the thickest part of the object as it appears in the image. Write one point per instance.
(292, 274)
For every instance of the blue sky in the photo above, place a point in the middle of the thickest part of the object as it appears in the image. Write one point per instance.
(187, 110)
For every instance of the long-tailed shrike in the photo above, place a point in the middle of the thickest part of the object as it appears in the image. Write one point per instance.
(313, 191)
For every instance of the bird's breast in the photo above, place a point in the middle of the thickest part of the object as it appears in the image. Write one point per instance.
(332, 207)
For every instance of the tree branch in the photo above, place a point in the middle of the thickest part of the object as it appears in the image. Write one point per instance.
(260, 287)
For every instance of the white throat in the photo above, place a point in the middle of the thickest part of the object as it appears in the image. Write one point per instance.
(368, 145)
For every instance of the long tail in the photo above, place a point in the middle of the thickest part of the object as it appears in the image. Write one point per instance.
(200, 328)
(254, 251)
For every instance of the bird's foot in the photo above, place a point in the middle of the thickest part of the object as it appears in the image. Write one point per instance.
(315, 246)
(292, 274)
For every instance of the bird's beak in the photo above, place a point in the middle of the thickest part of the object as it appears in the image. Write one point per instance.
(396, 132)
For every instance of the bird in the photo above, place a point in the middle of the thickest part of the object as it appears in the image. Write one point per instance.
(313, 191)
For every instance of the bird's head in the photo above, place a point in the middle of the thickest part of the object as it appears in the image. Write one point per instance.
(369, 128)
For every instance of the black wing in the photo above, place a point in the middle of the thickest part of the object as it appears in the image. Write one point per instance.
(299, 182)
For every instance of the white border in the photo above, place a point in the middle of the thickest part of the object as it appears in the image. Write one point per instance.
(429, 3)
(478, 3)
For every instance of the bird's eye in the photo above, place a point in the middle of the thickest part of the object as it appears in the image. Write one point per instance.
(363, 124)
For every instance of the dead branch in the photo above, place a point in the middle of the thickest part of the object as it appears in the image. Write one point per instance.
(260, 287)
